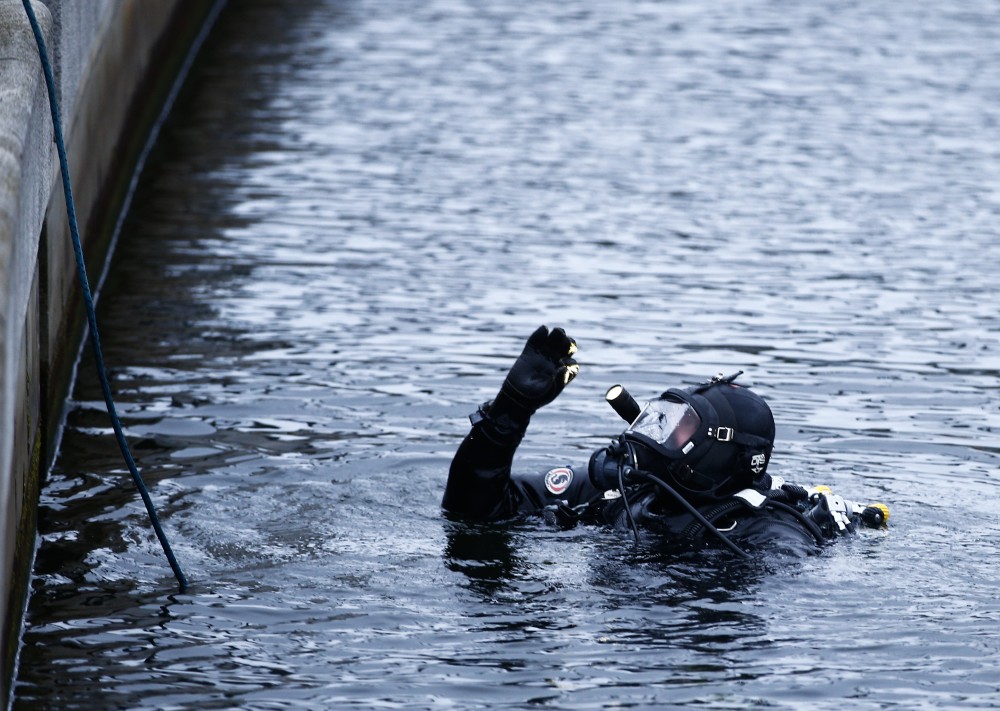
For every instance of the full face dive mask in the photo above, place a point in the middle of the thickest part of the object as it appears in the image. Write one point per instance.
(708, 441)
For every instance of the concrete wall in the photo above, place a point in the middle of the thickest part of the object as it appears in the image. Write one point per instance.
(114, 63)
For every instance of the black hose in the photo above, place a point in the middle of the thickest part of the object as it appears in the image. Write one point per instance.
(88, 299)
(628, 508)
(638, 473)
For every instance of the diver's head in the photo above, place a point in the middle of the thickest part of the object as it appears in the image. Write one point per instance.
(708, 442)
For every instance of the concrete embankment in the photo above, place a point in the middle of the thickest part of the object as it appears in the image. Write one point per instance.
(114, 62)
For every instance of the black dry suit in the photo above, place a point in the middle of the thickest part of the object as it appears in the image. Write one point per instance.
(692, 466)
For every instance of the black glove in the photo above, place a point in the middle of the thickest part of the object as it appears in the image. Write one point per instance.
(539, 374)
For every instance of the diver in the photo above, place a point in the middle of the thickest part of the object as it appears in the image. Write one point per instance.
(691, 465)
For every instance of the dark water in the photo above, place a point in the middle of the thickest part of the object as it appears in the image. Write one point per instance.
(357, 215)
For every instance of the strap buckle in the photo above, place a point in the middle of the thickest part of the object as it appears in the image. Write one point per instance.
(480, 414)
(723, 434)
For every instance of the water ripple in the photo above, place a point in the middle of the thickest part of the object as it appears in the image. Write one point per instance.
(357, 215)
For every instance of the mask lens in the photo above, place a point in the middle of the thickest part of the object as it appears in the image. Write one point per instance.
(669, 423)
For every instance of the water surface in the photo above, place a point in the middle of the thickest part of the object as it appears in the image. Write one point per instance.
(358, 213)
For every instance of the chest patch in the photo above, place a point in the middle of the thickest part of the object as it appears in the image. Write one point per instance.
(558, 480)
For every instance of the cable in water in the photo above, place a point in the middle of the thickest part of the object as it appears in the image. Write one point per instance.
(88, 299)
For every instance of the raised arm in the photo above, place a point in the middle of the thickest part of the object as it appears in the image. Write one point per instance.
(479, 478)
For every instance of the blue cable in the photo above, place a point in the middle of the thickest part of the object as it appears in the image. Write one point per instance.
(95, 339)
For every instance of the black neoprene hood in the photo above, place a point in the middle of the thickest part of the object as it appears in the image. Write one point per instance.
(736, 435)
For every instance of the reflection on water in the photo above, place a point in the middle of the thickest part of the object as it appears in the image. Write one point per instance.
(360, 211)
